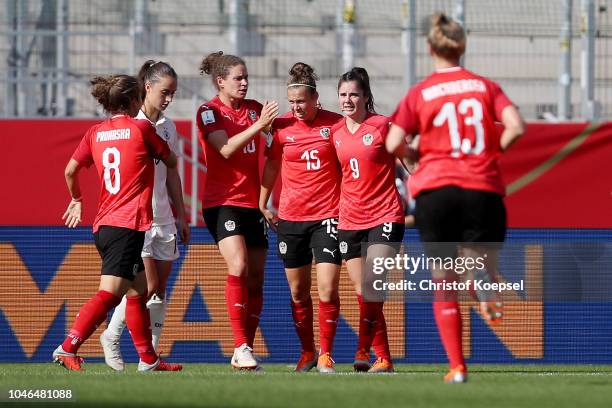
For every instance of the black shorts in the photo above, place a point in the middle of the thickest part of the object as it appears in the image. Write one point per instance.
(228, 220)
(298, 241)
(455, 215)
(351, 241)
(120, 249)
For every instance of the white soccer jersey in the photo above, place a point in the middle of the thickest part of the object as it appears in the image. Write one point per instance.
(165, 128)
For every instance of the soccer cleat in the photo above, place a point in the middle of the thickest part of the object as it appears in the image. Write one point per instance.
(307, 361)
(362, 361)
(69, 361)
(325, 364)
(112, 352)
(456, 375)
(243, 358)
(493, 311)
(381, 365)
(491, 306)
(159, 365)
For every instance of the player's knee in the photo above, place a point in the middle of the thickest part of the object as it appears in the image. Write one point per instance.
(299, 292)
(237, 266)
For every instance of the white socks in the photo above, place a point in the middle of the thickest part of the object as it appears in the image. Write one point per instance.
(157, 310)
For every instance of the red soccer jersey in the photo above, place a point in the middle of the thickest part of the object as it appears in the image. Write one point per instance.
(454, 111)
(233, 181)
(310, 175)
(368, 196)
(123, 149)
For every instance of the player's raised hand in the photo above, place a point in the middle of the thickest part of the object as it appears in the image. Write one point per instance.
(72, 214)
(269, 112)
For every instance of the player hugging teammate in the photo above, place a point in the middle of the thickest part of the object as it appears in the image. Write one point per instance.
(338, 201)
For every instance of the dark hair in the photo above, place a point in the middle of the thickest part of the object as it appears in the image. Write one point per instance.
(116, 93)
(152, 71)
(446, 37)
(218, 64)
(303, 74)
(360, 75)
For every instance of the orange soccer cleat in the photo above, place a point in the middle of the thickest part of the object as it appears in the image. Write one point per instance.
(69, 361)
(325, 364)
(456, 375)
(307, 361)
(362, 361)
(381, 365)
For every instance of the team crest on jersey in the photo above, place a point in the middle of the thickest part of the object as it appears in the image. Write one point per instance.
(368, 139)
(343, 247)
(282, 247)
(208, 117)
(230, 225)
(324, 133)
(252, 115)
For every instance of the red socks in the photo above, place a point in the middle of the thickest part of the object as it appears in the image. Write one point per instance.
(381, 341)
(91, 315)
(254, 306)
(303, 317)
(448, 319)
(328, 321)
(236, 300)
(373, 328)
(138, 322)
(366, 326)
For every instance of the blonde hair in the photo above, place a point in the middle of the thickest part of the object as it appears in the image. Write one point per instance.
(446, 37)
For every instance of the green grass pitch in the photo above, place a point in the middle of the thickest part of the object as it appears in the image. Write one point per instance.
(215, 385)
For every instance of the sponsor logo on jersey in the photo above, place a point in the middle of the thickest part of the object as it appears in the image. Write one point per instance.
(230, 225)
(343, 247)
(252, 115)
(208, 117)
(337, 143)
(324, 133)
(368, 139)
(282, 247)
(292, 138)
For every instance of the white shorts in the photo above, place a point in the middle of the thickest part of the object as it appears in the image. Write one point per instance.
(160, 243)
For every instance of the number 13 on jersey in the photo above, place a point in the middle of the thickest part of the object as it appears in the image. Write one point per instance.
(448, 113)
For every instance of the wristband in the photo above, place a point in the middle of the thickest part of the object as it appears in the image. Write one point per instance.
(78, 199)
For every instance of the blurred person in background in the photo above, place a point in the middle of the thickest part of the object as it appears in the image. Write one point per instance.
(159, 81)
(457, 185)
(308, 212)
(122, 150)
(229, 129)
(371, 212)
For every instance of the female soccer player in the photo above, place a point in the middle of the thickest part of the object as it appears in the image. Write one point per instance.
(308, 211)
(122, 150)
(160, 246)
(371, 211)
(229, 128)
(457, 184)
